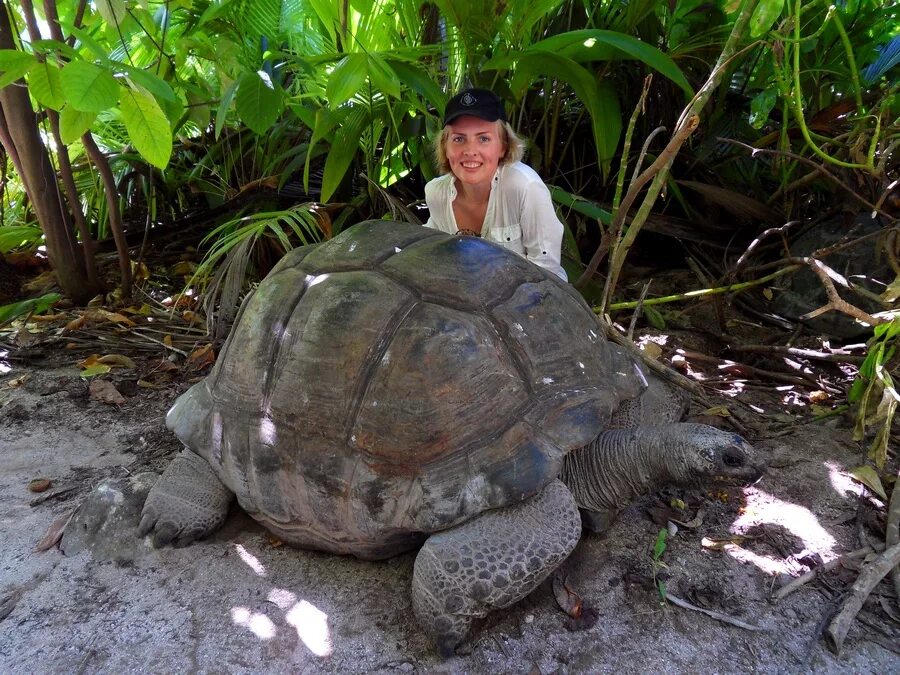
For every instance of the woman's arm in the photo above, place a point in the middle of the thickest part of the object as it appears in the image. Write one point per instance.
(542, 232)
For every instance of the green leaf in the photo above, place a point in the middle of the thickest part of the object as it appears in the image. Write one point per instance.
(147, 126)
(417, 79)
(14, 64)
(224, 105)
(32, 305)
(45, 85)
(16, 236)
(762, 105)
(577, 44)
(343, 149)
(601, 100)
(660, 546)
(580, 204)
(258, 101)
(348, 76)
(654, 318)
(89, 88)
(764, 16)
(112, 11)
(96, 369)
(73, 123)
(149, 81)
(383, 77)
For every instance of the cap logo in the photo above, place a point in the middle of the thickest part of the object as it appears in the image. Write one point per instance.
(468, 99)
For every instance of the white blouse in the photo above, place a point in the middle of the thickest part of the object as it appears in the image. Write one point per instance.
(519, 217)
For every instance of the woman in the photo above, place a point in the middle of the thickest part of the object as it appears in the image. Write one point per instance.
(485, 189)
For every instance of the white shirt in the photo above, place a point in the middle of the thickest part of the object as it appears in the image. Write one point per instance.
(519, 217)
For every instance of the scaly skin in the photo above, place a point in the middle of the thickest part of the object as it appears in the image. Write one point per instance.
(187, 503)
(623, 464)
(491, 561)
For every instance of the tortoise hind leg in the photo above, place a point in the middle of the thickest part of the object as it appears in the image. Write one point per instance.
(187, 503)
(491, 561)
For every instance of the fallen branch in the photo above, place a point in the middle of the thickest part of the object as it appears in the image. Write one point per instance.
(892, 531)
(867, 580)
(835, 355)
(801, 581)
(835, 301)
(684, 604)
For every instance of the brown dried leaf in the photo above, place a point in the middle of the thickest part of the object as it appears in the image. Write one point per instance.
(568, 600)
(39, 485)
(101, 315)
(117, 360)
(18, 381)
(105, 392)
(75, 324)
(54, 533)
(167, 340)
(202, 357)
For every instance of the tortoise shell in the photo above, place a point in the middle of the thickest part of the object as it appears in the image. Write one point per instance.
(395, 381)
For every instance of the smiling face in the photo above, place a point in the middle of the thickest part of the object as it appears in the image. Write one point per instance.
(474, 148)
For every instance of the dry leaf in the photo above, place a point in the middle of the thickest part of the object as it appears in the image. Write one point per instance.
(167, 340)
(104, 315)
(54, 533)
(183, 268)
(18, 381)
(202, 357)
(568, 600)
(767, 292)
(117, 360)
(868, 477)
(817, 396)
(75, 324)
(39, 485)
(105, 392)
(722, 544)
(140, 271)
(47, 318)
(274, 541)
(652, 350)
(144, 384)
(718, 411)
(165, 366)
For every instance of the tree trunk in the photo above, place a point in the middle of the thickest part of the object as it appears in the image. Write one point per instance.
(39, 179)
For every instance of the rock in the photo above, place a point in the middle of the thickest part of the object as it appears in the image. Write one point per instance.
(106, 521)
(803, 292)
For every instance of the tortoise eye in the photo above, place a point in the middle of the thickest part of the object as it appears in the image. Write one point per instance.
(733, 459)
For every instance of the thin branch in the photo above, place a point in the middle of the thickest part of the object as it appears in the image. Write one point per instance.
(804, 579)
(718, 616)
(867, 580)
(835, 301)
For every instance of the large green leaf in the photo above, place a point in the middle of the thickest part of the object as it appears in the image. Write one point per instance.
(14, 64)
(599, 99)
(32, 306)
(73, 123)
(112, 11)
(147, 126)
(224, 105)
(415, 77)
(45, 85)
(346, 79)
(383, 77)
(343, 148)
(89, 88)
(765, 14)
(149, 81)
(588, 45)
(15, 236)
(258, 101)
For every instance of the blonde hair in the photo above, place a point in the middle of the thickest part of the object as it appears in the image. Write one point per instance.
(515, 146)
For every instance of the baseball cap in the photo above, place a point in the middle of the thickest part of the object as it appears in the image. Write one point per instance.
(480, 103)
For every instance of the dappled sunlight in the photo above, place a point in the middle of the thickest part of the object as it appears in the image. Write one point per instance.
(258, 624)
(764, 510)
(841, 481)
(313, 280)
(250, 560)
(268, 434)
(311, 624)
(4, 364)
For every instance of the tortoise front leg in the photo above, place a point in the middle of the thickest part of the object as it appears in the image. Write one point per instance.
(491, 561)
(187, 503)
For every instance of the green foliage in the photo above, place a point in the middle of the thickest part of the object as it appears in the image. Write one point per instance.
(873, 392)
(28, 307)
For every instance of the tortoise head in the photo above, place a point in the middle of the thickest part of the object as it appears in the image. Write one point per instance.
(717, 458)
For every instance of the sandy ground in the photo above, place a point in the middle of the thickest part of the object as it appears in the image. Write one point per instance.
(241, 603)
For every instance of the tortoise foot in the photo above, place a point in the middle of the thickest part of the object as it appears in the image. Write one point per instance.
(491, 561)
(187, 503)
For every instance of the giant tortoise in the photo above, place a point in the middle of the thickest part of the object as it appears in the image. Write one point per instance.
(397, 387)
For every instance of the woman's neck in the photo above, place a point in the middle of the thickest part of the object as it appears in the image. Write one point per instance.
(474, 194)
